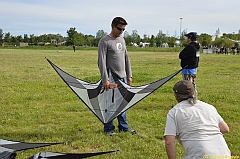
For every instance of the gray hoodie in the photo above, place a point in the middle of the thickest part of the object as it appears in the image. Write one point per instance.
(112, 54)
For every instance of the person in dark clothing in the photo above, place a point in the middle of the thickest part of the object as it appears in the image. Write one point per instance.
(74, 48)
(190, 58)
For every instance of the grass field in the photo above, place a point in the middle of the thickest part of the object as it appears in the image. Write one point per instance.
(37, 106)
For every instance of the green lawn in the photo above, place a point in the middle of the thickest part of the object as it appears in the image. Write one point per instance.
(37, 106)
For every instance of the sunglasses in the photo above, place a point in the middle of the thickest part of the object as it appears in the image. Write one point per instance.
(120, 29)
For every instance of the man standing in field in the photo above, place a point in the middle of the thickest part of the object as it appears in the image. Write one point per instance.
(190, 57)
(197, 126)
(112, 54)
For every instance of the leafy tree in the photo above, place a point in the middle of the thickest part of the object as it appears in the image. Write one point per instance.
(234, 37)
(72, 33)
(19, 38)
(217, 42)
(45, 38)
(25, 38)
(13, 39)
(127, 38)
(152, 41)
(59, 38)
(236, 44)
(89, 40)
(1, 35)
(135, 37)
(205, 39)
(42, 38)
(184, 43)
(99, 35)
(160, 38)
(227, 43)
(146, 38)
(7, 37)
(171, 41)
(182, 37)
(33, 40)
(80, 39)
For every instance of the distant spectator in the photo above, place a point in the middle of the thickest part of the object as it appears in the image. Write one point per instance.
(74, 48)
(222, 50)
(232, 50)
(226, 50)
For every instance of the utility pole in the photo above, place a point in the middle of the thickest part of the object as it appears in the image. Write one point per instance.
(180, 28)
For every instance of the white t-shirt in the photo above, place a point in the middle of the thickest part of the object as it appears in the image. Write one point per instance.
(197, 130)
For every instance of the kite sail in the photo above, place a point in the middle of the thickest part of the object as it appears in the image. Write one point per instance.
(8, 148)
(107, 105)
(8, 151)
(54, 155)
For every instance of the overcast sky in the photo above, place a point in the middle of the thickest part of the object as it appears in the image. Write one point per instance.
(39, 17)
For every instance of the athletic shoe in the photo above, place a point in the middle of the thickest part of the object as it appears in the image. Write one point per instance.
(110, 133)
(132, 131)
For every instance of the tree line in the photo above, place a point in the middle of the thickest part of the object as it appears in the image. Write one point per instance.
(79, 39)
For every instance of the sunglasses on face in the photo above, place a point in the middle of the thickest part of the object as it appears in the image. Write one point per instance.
(120, 29)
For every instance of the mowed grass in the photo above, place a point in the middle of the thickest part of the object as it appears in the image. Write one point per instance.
(37, 106)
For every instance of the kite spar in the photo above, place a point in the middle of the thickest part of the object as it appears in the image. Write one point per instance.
(107, 105)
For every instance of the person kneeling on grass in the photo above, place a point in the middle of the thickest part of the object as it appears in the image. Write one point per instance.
(197, 126)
